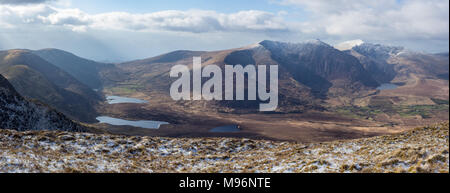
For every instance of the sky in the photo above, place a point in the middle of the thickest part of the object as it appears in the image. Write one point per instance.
(113, 30)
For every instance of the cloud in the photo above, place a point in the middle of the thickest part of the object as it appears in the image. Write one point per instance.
(194, 21)
(384, 19)
(415, 24)
(21, 2)
(347, 19)
(348, 44)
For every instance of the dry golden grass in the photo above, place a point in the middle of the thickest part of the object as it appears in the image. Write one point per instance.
(420, 150)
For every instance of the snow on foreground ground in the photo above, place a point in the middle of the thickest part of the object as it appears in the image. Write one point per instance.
(420, 150)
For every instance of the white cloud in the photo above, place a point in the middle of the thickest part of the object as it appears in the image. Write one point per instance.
(69, 17)
(348, 44)
(418, 25)
(195, 21)
(344, 19)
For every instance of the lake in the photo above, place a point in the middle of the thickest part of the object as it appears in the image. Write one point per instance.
(119, 99)
(226, 129)
(122, 122)
(387, 86)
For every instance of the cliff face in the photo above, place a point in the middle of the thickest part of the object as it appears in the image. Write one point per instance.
(420, 150)
(20, 114)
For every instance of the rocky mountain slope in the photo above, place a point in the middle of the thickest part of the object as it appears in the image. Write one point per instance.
(20, 114)
(36, 78)
(319, 65)
(420, 150)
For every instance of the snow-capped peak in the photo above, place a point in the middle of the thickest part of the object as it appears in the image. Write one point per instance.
(316, 42)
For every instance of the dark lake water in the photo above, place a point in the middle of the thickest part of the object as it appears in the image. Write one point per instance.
(121, 122)
(387, 86)
(118, 99)
(226, 129)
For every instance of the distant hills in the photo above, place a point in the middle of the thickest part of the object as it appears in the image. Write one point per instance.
(86, 71)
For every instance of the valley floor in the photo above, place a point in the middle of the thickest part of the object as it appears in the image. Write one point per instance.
(420, 150)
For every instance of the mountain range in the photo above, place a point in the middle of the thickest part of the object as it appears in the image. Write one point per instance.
(310, 72)
(312, 76)
(307, 70)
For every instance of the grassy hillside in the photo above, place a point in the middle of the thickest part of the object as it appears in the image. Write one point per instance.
(420, 150)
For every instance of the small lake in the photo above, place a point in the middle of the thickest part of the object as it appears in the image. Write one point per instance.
(226, 129)
(387, 86)
(121, 122)
(118, 100)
